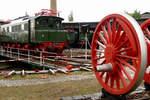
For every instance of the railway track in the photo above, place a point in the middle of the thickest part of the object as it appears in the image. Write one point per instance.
(47, 59)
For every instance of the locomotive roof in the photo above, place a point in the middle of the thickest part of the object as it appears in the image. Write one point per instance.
(50, 16)
(24, 19)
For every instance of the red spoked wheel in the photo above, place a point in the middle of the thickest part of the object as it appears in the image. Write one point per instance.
(119, 54)
(146, 30)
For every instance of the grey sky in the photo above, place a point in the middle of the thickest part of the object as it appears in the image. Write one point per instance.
(83, 10)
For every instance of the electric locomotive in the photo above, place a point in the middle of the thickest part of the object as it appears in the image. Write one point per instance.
(43, 32)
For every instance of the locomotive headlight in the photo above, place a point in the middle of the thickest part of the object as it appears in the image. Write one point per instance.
(42, 35)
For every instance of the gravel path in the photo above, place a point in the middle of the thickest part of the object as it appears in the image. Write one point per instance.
(43, 81)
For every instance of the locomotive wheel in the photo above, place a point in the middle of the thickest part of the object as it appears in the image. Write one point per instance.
(145, 28)
(118, 42)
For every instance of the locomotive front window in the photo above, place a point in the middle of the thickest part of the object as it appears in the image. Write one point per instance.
(48, 23)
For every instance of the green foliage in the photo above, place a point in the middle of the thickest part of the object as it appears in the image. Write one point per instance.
(70, 17)
(136, 14)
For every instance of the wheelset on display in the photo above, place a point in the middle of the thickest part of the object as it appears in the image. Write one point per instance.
(146, 31)
(120, 55)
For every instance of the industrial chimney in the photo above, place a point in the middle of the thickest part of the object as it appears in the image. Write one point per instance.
(54, 5)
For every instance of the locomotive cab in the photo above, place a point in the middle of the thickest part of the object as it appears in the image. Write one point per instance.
(48, 29)
(48, 22)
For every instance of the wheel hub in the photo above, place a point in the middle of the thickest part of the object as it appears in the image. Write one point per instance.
(109, 53)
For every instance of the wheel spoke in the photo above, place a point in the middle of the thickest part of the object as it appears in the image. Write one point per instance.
(120, 39)
(103, 62)
(123, 80)
(105, 33)
(114, 29)
(109, 31)
(107, 79)
(134, 62)
(147, 39)
(96, 50)
(147, 31)
(118, 33)
(100, 44)
(123, 44)
(112, 82)
(124, 70)
(114, 25)
(102, 74)
(126, 56)
(124, 50)
(102, 38)
(127, 64)
(99, 58)
(118, 83)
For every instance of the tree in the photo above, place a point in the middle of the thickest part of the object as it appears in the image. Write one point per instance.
(136, 14)
(70, 17)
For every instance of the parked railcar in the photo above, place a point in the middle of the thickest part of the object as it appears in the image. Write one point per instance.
(43, 32)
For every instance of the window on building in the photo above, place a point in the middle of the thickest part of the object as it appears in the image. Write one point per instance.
(13, 29)
(7, 29)
(16, 28)
(26, 26)
(4, 30)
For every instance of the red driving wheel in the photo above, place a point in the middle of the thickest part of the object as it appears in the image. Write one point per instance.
(146, 30)
(119, 54)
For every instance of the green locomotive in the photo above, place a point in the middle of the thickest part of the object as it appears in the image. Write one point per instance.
(42, 31)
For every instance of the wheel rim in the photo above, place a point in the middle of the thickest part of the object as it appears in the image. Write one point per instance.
(145, 28)
(119, 39)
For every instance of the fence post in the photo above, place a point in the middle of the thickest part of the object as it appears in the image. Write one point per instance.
(40, 58)
(2, 51)
(43, 57)
(10, 52)
(18, 54)
(28, 56)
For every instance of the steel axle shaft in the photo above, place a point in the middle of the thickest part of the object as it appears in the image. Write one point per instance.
(104, 68)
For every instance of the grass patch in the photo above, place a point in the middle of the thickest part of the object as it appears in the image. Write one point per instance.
(50, 91)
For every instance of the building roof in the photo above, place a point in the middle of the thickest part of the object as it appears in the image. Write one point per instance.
(145, 15)
(2, 21)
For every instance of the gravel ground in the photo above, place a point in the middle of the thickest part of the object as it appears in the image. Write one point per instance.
(43, 81)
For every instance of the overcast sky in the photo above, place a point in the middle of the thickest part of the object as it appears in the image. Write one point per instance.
(83, 10)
